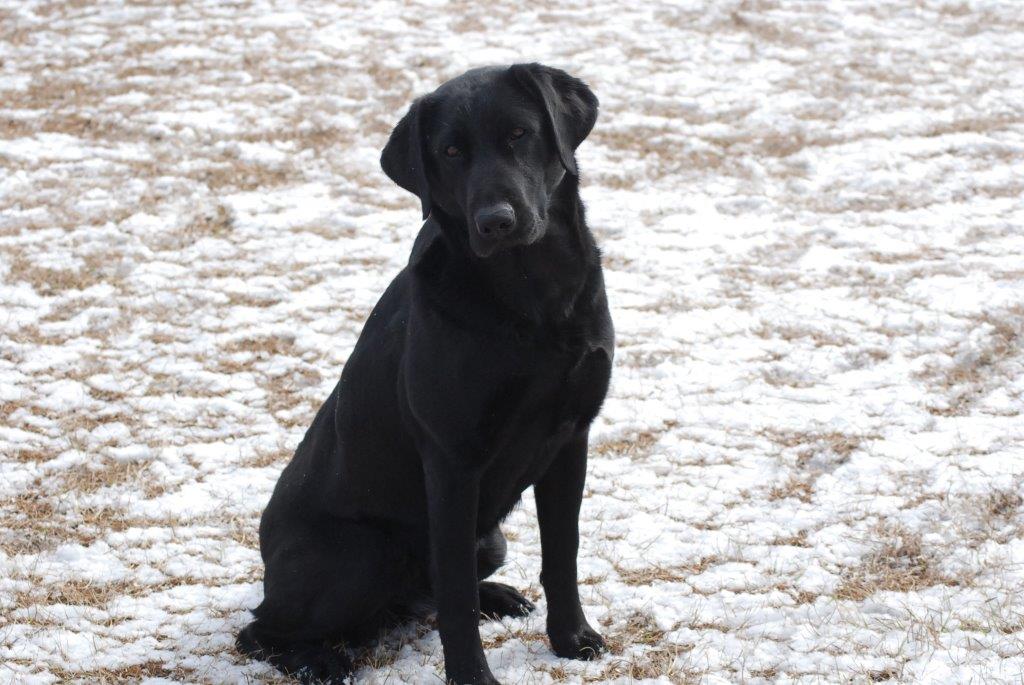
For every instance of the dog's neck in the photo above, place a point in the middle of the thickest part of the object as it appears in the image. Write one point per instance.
(542, 283)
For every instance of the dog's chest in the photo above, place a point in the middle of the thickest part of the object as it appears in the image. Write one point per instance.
(553, 403)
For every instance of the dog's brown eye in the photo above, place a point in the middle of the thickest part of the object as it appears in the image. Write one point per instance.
(452, 151)
(517, 133)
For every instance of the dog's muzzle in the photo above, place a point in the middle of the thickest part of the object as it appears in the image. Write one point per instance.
(495, 222)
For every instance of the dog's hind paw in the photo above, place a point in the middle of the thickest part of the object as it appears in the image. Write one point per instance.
(320, 675)
(498, 600)
(313, 664)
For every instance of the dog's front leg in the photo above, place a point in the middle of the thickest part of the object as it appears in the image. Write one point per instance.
(452, 501)
(559, 494)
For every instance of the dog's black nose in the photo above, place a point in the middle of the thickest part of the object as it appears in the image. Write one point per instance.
(495, 221)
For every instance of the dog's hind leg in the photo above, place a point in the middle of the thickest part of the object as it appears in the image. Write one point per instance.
(323, 583)
(497, 599)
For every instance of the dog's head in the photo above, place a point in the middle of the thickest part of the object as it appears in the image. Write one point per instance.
(490, 147)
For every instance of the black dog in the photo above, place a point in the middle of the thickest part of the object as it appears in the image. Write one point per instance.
(476, 376)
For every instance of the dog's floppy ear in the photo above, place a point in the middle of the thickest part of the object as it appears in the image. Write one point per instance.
(402, 158)
(571, 106)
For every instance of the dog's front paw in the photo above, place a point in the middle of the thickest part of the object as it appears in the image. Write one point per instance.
(498, 600)
(583, 643)
(479, 679)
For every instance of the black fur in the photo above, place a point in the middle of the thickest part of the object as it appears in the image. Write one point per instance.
(476, 376)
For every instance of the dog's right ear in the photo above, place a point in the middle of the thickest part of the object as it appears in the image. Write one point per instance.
(402, 158)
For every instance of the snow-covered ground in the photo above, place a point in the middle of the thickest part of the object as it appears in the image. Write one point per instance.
(810, 465)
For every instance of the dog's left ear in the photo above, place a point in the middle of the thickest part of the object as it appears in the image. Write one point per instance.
(402, 159)
(571, 106)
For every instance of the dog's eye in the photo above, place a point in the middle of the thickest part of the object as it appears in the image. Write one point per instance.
(518, 133)
(452, 151)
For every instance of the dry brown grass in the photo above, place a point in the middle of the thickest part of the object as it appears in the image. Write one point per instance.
(809, 442)
(88, 478)
(976, 370)
(795, 487)
(217, 221)
(636, 445)
(884, 675)
(37, 600)
(522, 634)
(1002, 504)
(665, 574)
(995, 624)
(91, 522)
(666, 660)
(28, 523)
(238, 176)
(660, 146)
(793, 332)
(638, 628)
(81, 593)
(286, 394)
(263, 458)
(263, 346)
(995, 517)
(47, 280)
(31, 453)
(901, 564)
(796, 540)
(833, 447)
(770, 673)
(134, 673)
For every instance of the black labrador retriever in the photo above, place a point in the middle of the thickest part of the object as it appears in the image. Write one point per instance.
(476, 376)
